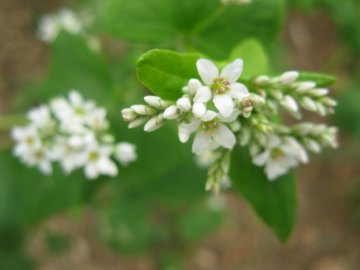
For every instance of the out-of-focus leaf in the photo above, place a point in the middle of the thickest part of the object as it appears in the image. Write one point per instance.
(254, 56)
(261, 20)
(318, 78)
(73, 66)
(199, 222)
(275, 202)
(166, 72)
(347, 115)
(153, 21)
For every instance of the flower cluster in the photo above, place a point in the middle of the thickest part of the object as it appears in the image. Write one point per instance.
(66, 20)
(222, 112)
(73, 132)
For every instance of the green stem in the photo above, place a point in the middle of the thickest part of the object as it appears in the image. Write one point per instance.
(205, 23)
(7, 122)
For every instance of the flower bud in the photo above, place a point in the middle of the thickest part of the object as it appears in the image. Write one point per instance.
(154, 101)
(304, 87)
(138, 122)
(290, 104)
(193, 86)
(262, 80)
(199, 110)
(154, 123)
(308, 104)
(312, 145)
(143, 109)
(128, 114)
(318, 92)
(289, 77)
(171, 112)
(329, 101)
(184, 104)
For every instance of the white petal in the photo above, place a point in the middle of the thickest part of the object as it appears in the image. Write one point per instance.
(207, 70)
(185, 129)
(224, 104)
(274, 141)
(202, 143)
(209, 115)
(106, 166)
(225, 137)
(274, 170)
(238, 91)
(261, 159)
(91, 171)
(232, 71)
(231, 118)
(194, 85)
(199, 110)
(203, 95)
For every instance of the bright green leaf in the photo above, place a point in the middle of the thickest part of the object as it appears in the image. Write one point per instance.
(254, 56)
(165, 72)
(318, 78)
(275, 202)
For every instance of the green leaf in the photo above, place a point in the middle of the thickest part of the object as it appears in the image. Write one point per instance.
(262, 19)
(275, 202)
(254, 56)
(319, 78)
(152, 21)
(165, 72)
(199, 222)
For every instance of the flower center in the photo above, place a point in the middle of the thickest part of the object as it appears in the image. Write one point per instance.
(210, 125)
(93, 156)
(220, 85)
(276, 153)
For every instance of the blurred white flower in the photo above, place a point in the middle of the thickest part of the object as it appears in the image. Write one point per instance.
(51, 25)
(72, 132)
(280, 155)
(125, 153)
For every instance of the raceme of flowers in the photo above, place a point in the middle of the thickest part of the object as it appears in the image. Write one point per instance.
(74, 133)
(221, 112)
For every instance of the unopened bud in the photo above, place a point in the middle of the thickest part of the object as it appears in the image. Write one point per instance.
(199, 110)
(138, 122)
(304, 87)
(184, 104)
(262, 80)
(154, 123)
(128, 114)
(194, 85)
(289, 77)
(143, 109)
(290, 104)
(312, 145)
(319, 92)
(329, 101)
(308, 104)
(171, 112)
(155, 102)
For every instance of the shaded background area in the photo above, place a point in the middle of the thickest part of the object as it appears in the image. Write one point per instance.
(327, 232)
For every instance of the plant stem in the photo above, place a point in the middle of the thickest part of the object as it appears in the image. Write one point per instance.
(7, 122)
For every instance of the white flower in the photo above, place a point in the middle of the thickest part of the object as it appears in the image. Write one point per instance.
(96, 119)
(51, 25)
(280, 156)
(125, 153)
(222, 88)
(211, 133)
(27, 139)
(96, 160)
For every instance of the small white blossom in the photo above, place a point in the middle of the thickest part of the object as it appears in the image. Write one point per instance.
(221, 88)
(280, 156)
(289, 77)
(125, 153)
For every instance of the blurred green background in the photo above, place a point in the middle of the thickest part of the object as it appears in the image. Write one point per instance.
(156, 214)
